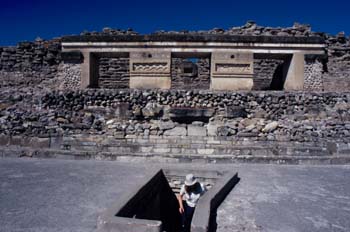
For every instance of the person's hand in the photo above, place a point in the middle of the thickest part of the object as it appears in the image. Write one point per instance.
(181, 210)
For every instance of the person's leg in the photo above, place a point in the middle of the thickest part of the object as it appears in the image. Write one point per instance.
(183, 217)
(189, 211)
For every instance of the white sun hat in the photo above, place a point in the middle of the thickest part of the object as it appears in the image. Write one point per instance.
(190, 180)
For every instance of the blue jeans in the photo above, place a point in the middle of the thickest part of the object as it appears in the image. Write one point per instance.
(187, 217)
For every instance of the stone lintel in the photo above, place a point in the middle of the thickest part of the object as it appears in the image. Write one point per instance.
(72, 56)
(194, 38)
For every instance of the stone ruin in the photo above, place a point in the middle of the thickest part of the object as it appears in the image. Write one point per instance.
(246, 94)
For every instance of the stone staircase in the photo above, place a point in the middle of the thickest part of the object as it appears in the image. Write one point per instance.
(176, 149)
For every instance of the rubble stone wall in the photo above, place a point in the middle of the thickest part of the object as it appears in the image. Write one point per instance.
(313, 74)
(129, 123)
(338, 76)
(29, 62)
(297, 116)
(69, 75)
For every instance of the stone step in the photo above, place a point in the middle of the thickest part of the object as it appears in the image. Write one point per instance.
(173, 158)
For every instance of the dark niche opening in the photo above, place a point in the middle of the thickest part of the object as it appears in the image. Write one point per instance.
(188, 115)
(190, 70)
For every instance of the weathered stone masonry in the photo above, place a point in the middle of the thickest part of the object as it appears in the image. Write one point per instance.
(45, 110)
(157, 60)
(113, 73)
(198, 76)
(34, 62)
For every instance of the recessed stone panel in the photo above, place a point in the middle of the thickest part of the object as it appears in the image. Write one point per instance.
(232, 71)
(150, 70)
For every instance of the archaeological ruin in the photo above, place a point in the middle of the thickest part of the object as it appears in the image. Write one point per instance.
(246, 94)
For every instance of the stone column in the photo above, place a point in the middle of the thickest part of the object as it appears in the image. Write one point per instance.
(150, 70)
(294, 79)
(232, 71)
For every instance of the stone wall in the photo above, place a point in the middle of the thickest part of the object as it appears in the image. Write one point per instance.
(113, 73)
(29, 62)
(294, 116)
(313, 74)
(199, 79)
(69, 76)
(194, 124)
(337, 75)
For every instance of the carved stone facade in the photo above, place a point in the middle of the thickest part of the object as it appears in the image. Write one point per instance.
(150, 70)
(232, 71)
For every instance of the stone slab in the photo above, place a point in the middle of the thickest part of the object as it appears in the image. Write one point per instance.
(196, 130)
(150, 82)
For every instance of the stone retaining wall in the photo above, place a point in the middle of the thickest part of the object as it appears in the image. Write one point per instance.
(175, 149)
(156, 123)
(253, 115)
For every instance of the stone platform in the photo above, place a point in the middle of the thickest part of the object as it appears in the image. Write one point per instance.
(62, 195)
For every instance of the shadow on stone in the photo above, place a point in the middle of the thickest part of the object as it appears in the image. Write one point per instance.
(152, 205)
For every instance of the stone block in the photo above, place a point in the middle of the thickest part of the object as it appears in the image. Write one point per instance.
(161, 150)
(146, 149)
(177, 131)
(40, 143)
(212, 128)
(235, 112)
(196, 130)
(205, 151)
(4, 140)
(72, 56)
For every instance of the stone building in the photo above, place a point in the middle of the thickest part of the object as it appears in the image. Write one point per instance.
(201, 61)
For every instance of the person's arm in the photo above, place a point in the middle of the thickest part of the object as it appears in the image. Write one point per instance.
(181, 208)
(179, 199)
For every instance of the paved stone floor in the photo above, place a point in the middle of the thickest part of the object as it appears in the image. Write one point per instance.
(58, 195)
(288, 199)
(61, 195)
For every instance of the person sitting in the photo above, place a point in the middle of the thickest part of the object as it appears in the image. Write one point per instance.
(188, 198)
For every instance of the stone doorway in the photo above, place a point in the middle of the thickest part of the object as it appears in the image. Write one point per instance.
(190, 70)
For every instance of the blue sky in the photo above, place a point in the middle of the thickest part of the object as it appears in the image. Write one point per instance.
(28, 19)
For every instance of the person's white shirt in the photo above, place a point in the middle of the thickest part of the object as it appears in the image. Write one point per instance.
(192, 198)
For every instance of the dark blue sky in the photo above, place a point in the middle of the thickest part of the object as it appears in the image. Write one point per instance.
(27, 19)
